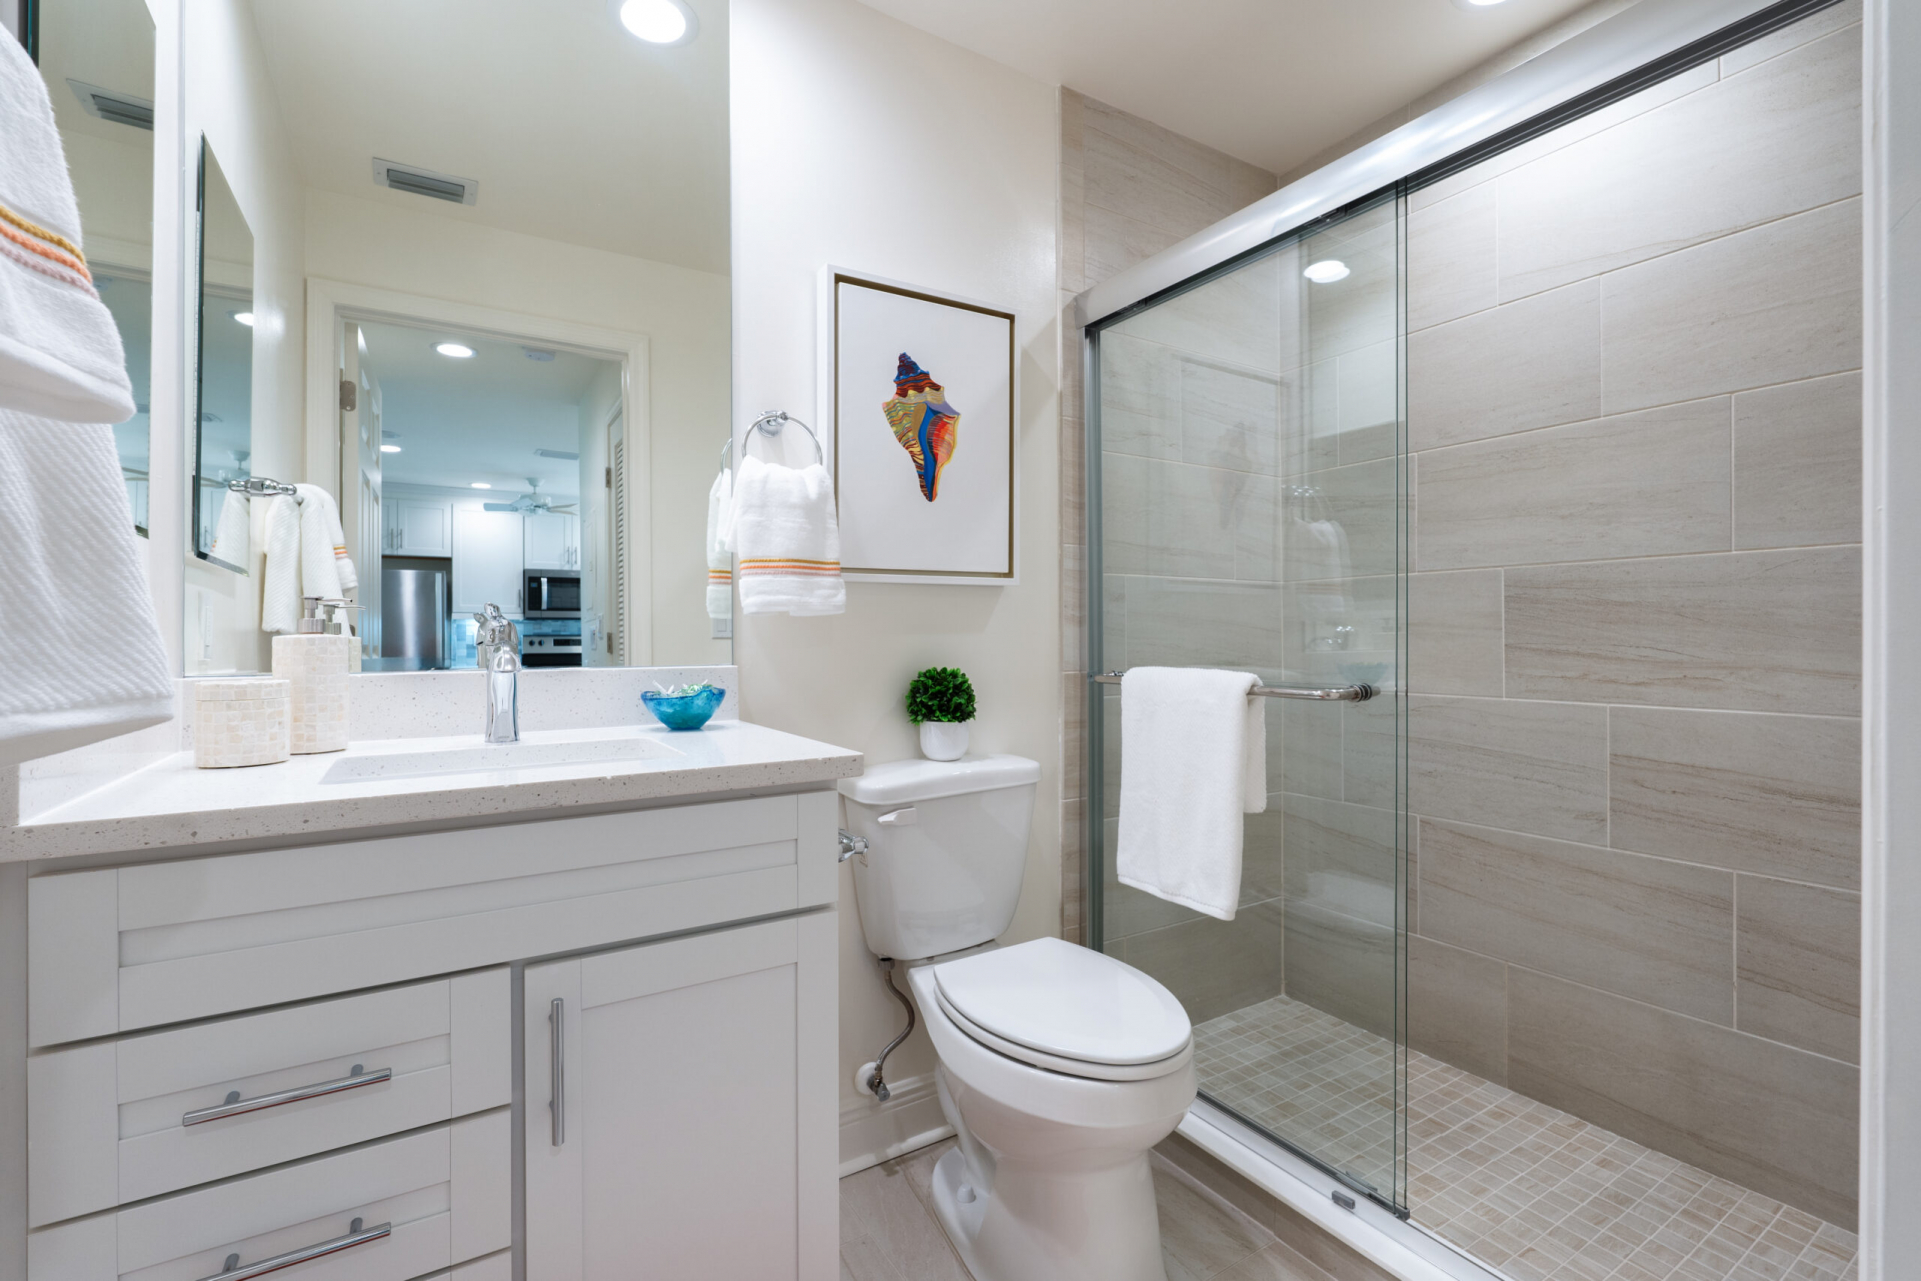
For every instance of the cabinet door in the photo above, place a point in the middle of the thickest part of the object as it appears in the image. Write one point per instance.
(681, 1109)
(486, 560)
(547, 540)
(423, 528)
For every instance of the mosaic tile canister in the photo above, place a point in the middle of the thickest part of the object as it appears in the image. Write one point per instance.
(240, 722)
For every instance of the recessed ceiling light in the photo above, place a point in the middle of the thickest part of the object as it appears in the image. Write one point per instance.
(480, 484)
(244, 317)
(1471, 5)
(390, 449)
(1326, 271)
(657, 21)
(458, 350)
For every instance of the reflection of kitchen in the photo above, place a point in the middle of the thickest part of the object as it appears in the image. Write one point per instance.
(484, 448)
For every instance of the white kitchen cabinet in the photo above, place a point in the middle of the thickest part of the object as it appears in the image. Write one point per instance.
(552, 540)
(487, 560)
(417, 526)
(670, 1112)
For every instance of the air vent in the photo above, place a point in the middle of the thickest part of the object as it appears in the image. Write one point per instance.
(115, 108)
(425, 182)
(559, 453)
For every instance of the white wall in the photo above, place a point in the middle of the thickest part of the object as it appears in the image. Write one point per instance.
(944, 177)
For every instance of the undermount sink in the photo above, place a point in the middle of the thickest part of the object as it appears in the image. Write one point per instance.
(484, 757)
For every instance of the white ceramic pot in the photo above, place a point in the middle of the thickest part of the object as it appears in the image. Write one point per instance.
(943, 740)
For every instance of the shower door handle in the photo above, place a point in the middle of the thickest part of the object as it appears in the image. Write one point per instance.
(1319, 693)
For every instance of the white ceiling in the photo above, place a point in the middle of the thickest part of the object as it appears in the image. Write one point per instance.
(1272, 82)
(459, 421)
(575, 130)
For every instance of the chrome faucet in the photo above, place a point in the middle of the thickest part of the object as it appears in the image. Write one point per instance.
(498, 646)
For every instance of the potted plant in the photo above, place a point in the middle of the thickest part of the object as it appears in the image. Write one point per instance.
(941, 701)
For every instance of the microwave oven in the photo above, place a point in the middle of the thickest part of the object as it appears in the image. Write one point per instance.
(552, 595)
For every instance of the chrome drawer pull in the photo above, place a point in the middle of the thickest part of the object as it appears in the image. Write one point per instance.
(356, 1235)
(557, 1051)
(237, 1106)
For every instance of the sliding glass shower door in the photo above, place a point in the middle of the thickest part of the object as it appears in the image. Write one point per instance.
(1248, 492)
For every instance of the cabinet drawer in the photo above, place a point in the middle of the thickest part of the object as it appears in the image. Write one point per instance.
(123, 1120)
(117, 949)
(444, 1196)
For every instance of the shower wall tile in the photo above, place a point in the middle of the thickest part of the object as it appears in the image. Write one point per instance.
(1797, 463)
(1230, 419)
(1457, 1007)
(1264, 854)
(1073, 607)
(1194, 519)
(1533, 363)
(1765, 1115)
(1181, 622)
(1073, 735)
(1774, 304)
(1233, 321)
(1140, 395)
(1702, 631)
(1450, 258)
(1527, 766)
(1343, 965)
(1646, 928)
(1362, 499)
(1456, 649)
(1340, 854)
(1647, 484)
(1304, 747)
(1669, 178)
(1792, 36)
(1130, 174)
(1213, 966)
(1124, 513)
(1772, 795)
(1798, 968)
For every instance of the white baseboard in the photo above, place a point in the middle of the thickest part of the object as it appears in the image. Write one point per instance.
(872, 1132)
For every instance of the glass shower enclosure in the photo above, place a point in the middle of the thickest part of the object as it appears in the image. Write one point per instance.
(1248, 487)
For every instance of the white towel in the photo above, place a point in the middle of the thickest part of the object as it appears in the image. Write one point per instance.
(782, 528)
(1193, 761)
(280, 583)
(720, 561)
(231, 543)
(325, 568)
(80, 649)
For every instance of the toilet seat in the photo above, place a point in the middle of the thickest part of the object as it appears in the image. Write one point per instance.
(1068, 1009)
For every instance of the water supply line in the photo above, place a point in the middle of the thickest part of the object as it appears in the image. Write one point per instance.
(874, 1082)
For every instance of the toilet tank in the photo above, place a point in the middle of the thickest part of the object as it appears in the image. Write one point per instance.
(946, 849)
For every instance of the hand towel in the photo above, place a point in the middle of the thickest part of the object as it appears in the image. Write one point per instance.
(60, 354)
(1193, 761)
(720, 561)
(325, 568)
(280, 583)
(231, 543)
(81, 658)
(782, 528)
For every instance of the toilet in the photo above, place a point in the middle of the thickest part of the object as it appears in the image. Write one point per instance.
(1059, 1067)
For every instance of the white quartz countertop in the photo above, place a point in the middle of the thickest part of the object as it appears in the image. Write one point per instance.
(410, 782)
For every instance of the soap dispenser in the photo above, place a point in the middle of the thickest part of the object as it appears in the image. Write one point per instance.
(314, 662)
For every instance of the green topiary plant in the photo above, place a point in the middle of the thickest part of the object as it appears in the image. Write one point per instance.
(940, 694)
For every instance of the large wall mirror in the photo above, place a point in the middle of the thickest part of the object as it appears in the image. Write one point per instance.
(463, 281)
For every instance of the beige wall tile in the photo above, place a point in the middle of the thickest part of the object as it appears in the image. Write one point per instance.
(1124, 513)
(1304, 747)
(1791, 36)
(1234, 320)
(1112, 242)
(1797, 463)
(1454, 633)
(1194, 519)
(1213, 966)
(1180, 622)
(1526, 766)
(1363, 500)
(1145, 184)
(1343, 965)
(1655, 483)
(1229, 419)
(1073, 735)
(1773, 795)
(1657, 931)
(1689, 171)
(1772, 304)
(1264, 854)
(1798, 965)
(1767, 1116)
(1457, 1007)
(1140, 395)
(1774, 631)
(1073, 607)
(1533, 363)
(1450, 257)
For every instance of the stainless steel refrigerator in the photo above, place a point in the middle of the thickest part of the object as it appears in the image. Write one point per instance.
(413, 619)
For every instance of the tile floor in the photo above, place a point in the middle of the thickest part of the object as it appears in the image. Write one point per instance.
(1528, 1189)
(888, 1231)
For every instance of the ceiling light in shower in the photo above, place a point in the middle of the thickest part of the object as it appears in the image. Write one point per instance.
(244, 317)
(657, 21)
(1326, 271)
(458, 350)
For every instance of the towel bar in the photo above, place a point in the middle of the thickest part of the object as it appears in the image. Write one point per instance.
(1317, 693)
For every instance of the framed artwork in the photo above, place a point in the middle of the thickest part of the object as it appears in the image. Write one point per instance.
(918, 395)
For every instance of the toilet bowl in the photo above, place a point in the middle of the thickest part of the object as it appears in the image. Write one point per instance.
(1050, 1180)
(1058, 1067)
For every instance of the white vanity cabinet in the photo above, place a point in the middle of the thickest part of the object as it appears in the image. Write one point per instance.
(307, 1057)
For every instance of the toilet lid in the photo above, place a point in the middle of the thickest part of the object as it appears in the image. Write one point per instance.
(1067, 1001)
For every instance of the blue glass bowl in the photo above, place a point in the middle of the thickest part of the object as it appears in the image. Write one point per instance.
(684, 711)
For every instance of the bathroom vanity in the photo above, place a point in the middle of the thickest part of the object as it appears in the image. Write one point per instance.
(450, 1015)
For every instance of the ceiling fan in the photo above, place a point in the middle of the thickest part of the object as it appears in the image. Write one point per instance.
(534, 501)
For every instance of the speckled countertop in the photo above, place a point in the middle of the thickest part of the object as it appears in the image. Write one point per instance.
(385, 784)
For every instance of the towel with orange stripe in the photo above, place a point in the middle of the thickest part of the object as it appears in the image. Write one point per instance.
(786, 540)
(60, 354)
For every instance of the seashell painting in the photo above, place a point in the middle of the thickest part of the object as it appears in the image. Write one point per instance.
(926, 426)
